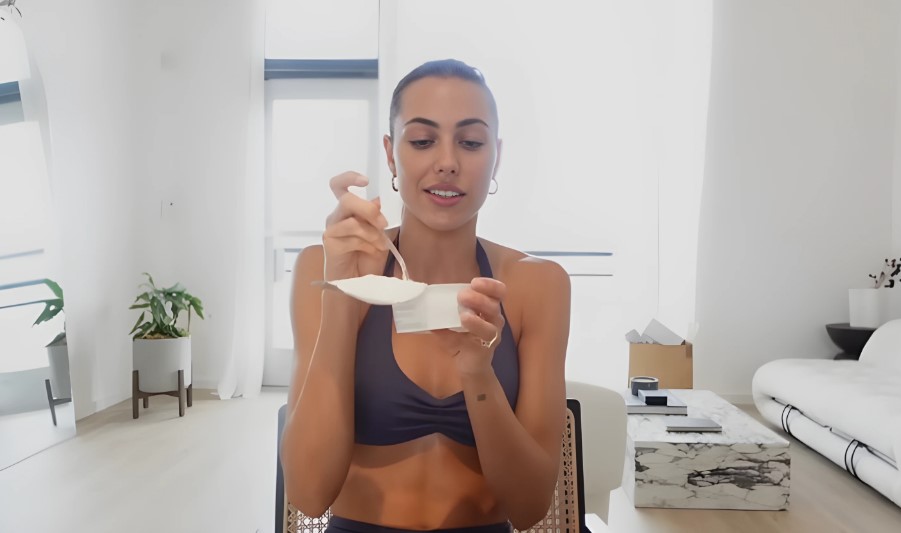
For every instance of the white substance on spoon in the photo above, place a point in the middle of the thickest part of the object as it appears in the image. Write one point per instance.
(379, 290)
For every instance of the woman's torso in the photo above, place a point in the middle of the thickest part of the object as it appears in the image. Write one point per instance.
(431, 481)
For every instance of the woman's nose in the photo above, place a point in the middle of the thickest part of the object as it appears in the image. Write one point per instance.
(447, 162)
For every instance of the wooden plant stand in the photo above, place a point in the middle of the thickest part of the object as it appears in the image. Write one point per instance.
(184, 394)
(54, 401)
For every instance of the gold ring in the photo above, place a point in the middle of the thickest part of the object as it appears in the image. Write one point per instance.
(489, 344)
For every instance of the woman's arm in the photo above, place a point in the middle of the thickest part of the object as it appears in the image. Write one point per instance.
(318, 438)
(520, 452)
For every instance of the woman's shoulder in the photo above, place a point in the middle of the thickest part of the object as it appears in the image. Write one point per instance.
(519, 268)
(310, 257)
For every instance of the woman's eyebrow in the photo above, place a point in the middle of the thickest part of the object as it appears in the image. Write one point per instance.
(432, 123)
(468, 121)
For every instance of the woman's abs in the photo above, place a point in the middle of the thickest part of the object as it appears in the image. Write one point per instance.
(428, 483)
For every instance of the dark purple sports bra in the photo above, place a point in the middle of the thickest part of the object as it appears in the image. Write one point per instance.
(389, 408)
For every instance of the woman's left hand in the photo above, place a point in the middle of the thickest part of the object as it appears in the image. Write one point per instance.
(480, 314)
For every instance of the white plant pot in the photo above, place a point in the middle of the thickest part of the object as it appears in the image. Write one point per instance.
(893, 304)
(869, 308)
(60, 385)
(158, 362)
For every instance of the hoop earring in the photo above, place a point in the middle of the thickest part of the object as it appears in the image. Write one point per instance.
(495, 187)
(394, 184)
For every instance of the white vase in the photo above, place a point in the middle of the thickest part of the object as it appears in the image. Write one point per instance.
(868, 307)
(60, 384)
(158, 362)
(892, 304)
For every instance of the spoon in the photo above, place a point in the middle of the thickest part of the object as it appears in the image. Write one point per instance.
(400, 260)
(380, 290)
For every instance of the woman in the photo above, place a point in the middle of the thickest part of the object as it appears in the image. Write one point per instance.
(428, 431)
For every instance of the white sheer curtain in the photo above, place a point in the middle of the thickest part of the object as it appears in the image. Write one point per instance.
(242, 374)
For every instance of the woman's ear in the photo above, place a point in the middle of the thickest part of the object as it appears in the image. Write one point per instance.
(389, 153)
(497, 159)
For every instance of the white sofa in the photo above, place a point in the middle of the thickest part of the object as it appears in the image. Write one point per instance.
(849, 411)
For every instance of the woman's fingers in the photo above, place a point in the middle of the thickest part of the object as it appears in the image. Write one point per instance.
(484, 296)
(483, 330)
(341, 183)
(354, 228)
(356, 223)
(352, 244)
(354, 235)
(351, 205)
(483, 317)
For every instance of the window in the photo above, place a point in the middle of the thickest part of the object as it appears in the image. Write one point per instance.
(316, 129)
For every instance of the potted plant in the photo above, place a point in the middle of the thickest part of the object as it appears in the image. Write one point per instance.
(58, 349)
(872, 306)
(161, 348)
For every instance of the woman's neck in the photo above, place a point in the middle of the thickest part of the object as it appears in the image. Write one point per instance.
(439, 256)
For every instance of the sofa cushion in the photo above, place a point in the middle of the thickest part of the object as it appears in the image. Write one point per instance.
(884, 347)
(855, 398)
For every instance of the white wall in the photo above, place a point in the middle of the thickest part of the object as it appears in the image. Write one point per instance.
(202, 70)
(84, 53)
(147, 103)
(797, 197)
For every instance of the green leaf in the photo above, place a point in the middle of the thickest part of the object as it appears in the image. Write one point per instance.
(175, 288)
(158, 310)
(178, 304)
(138, 323)
(172, 331)
(144, 330)
(198, 307)
(166, 305)
(54, 286)
(51, 309)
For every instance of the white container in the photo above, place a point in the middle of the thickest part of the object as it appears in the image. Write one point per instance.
(868, 308)
(893, 304)
(60, 384)
(158, 362)
(435, 308)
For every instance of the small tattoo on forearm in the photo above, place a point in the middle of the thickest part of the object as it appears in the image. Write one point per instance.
(481, 397)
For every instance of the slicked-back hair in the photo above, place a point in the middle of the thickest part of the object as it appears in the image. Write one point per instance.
(442, 68)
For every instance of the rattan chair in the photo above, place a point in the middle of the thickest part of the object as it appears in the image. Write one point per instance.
(566, 514)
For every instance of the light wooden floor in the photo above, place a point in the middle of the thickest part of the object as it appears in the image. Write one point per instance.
(214, 470)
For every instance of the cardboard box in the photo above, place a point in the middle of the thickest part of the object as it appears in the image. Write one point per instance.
(670, 364)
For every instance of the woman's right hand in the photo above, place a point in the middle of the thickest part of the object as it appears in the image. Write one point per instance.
(354, 238)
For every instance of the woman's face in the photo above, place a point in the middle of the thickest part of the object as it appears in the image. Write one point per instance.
(445, 150)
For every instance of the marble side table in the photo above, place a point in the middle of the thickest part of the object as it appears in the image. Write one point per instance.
(747, 466)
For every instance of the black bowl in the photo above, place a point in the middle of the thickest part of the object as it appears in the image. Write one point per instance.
(850, 339)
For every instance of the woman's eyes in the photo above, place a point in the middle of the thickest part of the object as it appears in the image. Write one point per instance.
(425, 143)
